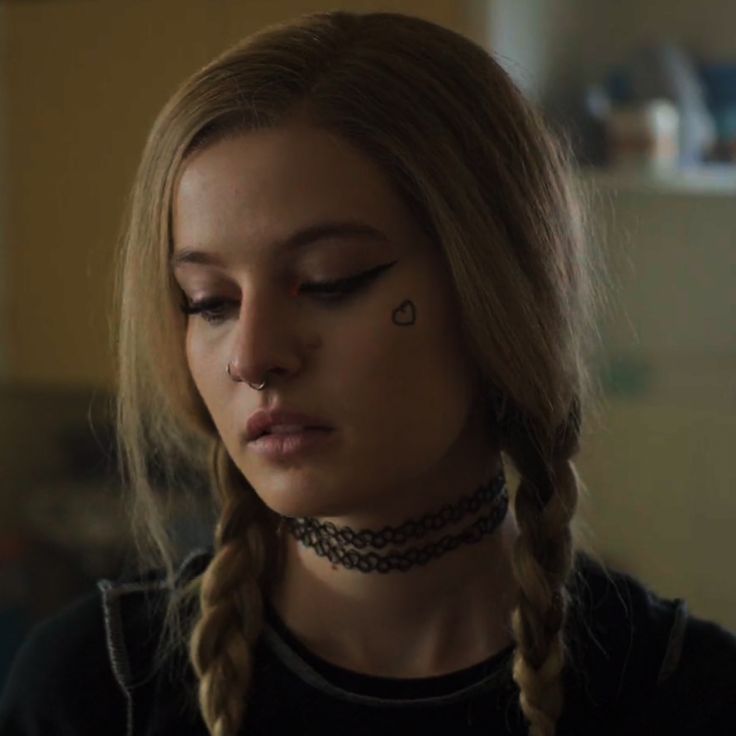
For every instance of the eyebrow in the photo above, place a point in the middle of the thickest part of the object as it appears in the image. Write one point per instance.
(312, 234)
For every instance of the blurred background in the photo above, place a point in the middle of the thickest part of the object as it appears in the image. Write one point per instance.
(644, 89)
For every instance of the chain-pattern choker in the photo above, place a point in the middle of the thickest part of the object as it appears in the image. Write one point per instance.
(341, 545)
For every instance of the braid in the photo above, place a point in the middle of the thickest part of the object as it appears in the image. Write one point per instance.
(231, 603)
(543, 559)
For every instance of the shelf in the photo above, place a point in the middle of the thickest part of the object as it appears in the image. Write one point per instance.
(711, 180)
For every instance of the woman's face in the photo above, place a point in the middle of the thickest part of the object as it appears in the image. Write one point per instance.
(271, 213)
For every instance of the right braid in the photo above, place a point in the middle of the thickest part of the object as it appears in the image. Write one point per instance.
(543, 559)
(231, 603)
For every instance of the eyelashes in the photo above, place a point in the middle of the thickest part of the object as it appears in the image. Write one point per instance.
(343, 286)
(214, 310)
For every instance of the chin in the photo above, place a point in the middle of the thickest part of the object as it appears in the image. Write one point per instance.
(297, 497)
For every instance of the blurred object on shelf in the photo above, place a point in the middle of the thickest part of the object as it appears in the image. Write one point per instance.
(650, 113)
(720, 85)
(643, 136)
(666, 71)
(590, 142)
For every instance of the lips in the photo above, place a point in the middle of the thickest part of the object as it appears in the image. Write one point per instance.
(281, 422)
(288, 446)
(284, 430)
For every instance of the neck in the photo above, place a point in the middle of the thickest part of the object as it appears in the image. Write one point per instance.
(415, 542)
(451, 612)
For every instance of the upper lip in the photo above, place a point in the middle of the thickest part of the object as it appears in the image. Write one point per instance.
(263, 419)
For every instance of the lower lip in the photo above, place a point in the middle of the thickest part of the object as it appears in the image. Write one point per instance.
(279, 446)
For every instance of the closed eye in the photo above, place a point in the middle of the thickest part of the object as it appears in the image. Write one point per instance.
(341, 287)
(214, 310)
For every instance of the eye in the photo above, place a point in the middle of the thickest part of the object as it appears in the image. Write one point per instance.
(211, 310)
(215, 311)
(334, 290)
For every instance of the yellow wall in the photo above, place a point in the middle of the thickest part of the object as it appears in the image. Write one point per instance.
(84, 82)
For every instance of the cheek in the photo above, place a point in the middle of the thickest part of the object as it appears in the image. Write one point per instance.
(194, 357)
(371, 353)
(404, 379)
(201, 361)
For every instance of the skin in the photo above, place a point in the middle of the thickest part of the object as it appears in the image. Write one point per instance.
(393, 381)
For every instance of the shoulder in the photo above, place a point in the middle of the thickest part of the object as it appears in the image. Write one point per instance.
(697, 688)
(61, 680)
(644, 658)
(77, 672)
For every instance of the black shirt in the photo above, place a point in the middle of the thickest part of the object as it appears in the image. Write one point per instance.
(638, 664)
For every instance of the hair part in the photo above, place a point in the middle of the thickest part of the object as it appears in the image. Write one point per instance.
(487, 181)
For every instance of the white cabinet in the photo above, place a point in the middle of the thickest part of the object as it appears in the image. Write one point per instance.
(660, 470)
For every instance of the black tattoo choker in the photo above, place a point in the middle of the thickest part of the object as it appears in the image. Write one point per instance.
(340, 545)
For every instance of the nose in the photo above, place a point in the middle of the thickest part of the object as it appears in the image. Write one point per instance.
(266, 342)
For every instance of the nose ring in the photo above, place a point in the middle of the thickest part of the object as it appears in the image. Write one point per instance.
(257, 386)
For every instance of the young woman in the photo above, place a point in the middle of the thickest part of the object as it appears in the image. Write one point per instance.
(354, 286)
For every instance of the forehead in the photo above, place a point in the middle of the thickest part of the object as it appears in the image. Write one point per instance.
(263, 185)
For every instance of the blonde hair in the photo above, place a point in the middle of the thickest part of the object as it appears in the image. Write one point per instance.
(484, 177)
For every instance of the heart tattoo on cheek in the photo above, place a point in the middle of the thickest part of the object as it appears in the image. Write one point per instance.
(405, 314)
